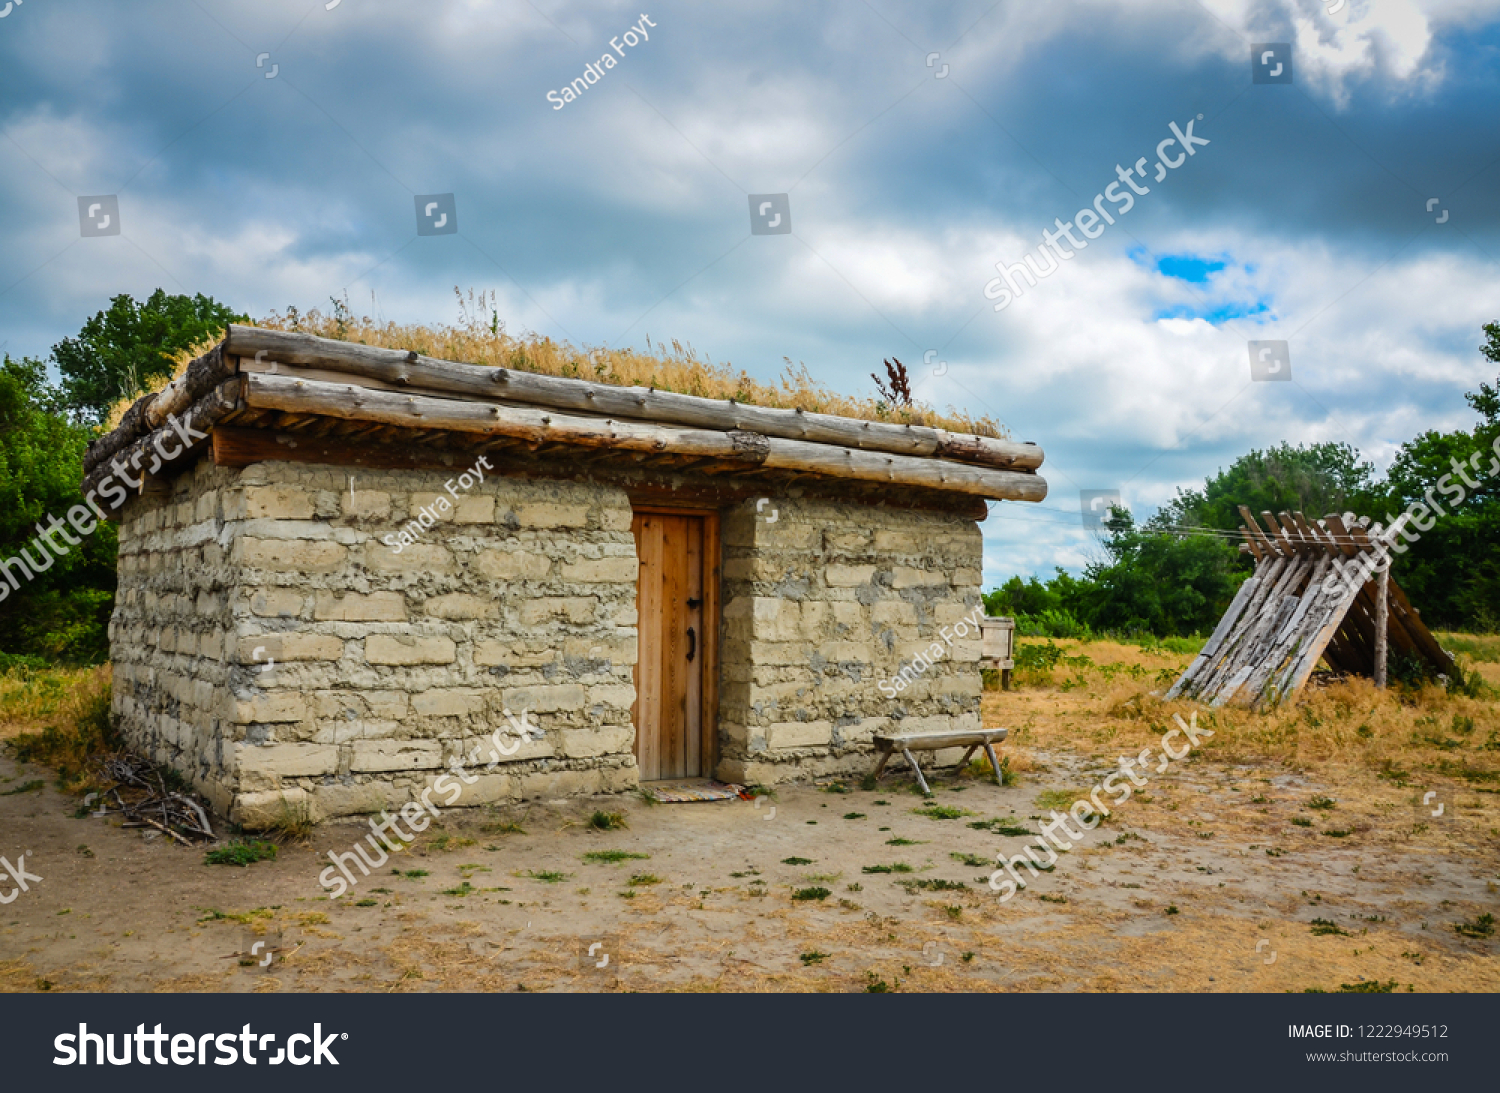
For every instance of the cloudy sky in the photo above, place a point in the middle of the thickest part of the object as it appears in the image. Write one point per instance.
(271, 152)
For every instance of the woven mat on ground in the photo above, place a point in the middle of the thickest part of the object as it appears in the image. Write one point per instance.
(694, 789)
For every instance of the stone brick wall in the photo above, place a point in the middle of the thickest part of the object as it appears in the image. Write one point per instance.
(170, 632)
(384, 667)
(823, 604)
(271, 643)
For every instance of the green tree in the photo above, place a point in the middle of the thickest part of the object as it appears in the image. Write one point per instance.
(121, 350)
(61, 613)
(1157, 582)
(1316, 479)
(1452, 572)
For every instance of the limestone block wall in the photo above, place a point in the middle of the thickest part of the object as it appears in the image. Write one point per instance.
(343, 675)
(169, 634)
(823, 604)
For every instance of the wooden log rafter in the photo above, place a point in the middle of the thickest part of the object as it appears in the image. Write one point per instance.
(297, 398)
(411, 371)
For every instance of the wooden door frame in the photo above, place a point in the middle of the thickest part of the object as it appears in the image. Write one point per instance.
(709, 647)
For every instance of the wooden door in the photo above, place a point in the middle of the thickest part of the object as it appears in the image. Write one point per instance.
(676, 601)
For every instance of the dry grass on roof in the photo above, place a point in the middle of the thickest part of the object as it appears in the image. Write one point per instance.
(480, 337)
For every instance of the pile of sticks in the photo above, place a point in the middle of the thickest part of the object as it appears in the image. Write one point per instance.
(1321, 590)
(141, 795)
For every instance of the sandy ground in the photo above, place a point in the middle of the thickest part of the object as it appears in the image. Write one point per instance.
(1201, 882)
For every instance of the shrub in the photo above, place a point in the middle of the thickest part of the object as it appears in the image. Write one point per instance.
(241, 853)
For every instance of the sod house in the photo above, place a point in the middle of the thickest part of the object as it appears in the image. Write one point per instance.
(344, 570)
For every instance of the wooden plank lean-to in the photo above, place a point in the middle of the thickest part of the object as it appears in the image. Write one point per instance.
(1246, 592)
(1297, 675)
(1309, 615)
(1268, 576)
(1227, 692)
(1248, 643)
(1382, 615)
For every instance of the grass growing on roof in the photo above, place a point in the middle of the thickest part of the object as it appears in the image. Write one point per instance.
(480, 336)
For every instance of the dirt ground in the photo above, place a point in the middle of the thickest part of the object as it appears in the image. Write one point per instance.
(1201, 882)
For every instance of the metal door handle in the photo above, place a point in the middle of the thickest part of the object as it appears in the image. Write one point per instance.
(692, 643)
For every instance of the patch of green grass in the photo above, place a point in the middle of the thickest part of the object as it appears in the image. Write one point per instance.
(610, 857)
(933, 884)
(811, 893)
(936, 811)
(954, 912)
(242, 917)
(968, 956)
(1006, 828)
(811, 958)
(1056, 798)
(1302, 821)
(899, 841)
(367, 903)
(973, 861)
(546, 876)
(502, 827)
(1172, 909)
(854, 815)
(1322, 804)
(835, 787)
(1369, 986)
(1481, 927)
(796, 861)
(607, 821)
(27, 787)
(876, 985)
(1064, 899)
(241, 853)
(896, 867)
(412, 874)
(1337, 833)
(1322, 927)
(641, 880)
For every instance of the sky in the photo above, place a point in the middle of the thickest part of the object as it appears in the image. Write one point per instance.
(1342, 197)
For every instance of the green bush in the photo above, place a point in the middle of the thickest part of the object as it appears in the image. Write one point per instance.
(241, 853)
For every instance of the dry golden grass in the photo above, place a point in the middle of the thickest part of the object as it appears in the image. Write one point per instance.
(1349, 723)
(480, 337)
(33, 700)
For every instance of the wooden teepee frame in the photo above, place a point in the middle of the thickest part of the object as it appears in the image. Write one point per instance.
(1321, 589)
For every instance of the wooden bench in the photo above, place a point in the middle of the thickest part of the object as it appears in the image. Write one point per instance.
(906, 743)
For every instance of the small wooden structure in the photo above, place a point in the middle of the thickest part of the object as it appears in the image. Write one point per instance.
(997, 649)
(1321, 589)
(906, 743)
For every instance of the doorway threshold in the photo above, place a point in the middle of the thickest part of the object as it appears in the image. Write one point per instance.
(684, 790)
